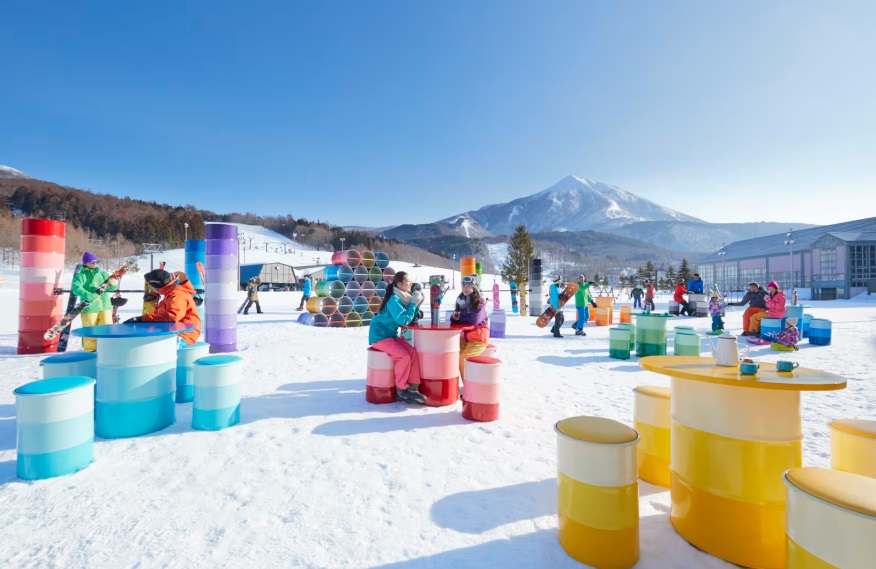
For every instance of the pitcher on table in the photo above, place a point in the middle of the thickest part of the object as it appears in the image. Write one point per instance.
(726, 351)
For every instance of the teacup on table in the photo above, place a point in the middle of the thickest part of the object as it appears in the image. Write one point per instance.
(784, 365)
(748, 368)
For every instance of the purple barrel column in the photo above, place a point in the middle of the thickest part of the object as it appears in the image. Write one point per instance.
(220, 290)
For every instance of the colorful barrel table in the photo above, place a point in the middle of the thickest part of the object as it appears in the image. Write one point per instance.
(819, 331)
(480, 392)
(831, 520)
(597, 492)
(651, 419)
(619, 343)
(221, 297)
(769, 327)
(136, 377)
(686, 342)
(497, 323)
(70, 363)
(54, 426)
(42, 264)
(626, 314)
(732, 437)
(185, 369)
(379, 378)
(651, 334)
(853, 446)
(217, 388)
(437, 348)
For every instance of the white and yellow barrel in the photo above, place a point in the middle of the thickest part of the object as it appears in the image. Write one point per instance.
(651, 419)
(853, 446)
(831, 520)
(598, 493)
(729, 448)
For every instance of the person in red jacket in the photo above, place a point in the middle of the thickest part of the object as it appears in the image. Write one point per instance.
(649, 296)
(683, 305)
(177, 303)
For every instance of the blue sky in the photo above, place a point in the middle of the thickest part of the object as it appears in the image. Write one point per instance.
(387, 112)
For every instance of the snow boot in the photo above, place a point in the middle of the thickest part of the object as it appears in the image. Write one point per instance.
(410, 394)
(580, 333)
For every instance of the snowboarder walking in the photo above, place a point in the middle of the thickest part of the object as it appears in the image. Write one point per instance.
(554, 300)
(100, 310)
(583, 300)
(252, 295)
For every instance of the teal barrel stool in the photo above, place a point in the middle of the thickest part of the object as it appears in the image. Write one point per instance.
(55, 430)
(217, 392)
(185, 368)
(686, 341)
(619, 343)
(794, 312)
(70, 363)
(632, 328)
(651, 334)
(803, 325)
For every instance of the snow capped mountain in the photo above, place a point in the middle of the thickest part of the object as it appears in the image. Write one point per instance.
(7, 172)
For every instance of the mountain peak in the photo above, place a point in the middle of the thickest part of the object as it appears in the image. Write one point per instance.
(7, 172)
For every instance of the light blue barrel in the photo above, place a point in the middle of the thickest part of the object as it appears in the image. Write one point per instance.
(632, 328)
(360, 304)
(185, 369)
(55, 426)
(619, 343)
(70, 363)
(769, 327)
(497, 324)
(381, 260)
(345, 273)
(804, 325)
(794, 312)
(819, 331)
(686, 341)
(305, 318)
(217, 392)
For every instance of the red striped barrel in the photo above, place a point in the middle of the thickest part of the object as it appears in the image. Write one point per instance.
(480, 388)
(42, 263)
(380, 378)
(438, 353)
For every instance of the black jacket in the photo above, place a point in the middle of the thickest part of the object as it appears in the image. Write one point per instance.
(754, 299)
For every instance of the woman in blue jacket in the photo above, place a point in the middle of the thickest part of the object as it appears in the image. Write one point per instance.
(399, 308)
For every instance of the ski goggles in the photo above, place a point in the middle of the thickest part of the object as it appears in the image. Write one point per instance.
(468, 281)
(94, 262)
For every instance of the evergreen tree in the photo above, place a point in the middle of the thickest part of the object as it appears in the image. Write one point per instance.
(684, 272)
(520, 250)
(596, 278)
(623, 280)
(670, 275)
(649, 273)
(605, 280)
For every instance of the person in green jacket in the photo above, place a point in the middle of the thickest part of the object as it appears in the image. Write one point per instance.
(85, 282)
(583, 300)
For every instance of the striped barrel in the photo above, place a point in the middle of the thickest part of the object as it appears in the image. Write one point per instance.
(853, 446)
(379, 378)
(136, 380)
(603, 316)
(769, 327)
(626, 314)
(55, 426)
(438, 353)
(490, 351)
(185, 369)
(673, 308)
(480, 391)
(819, 331)
(726, 473)
(381, 260)
(804, 325)
(497, 324)
(597, 492)
(686, 342)
(831, 520)
(42, 263)
(216, 403)
(651, 334)
(368, 260)
(70, 363)
(651, 419)
(605, 302)
(467, 266)
(353, 289)
(221, 297)
(619, 344)
(632, 328)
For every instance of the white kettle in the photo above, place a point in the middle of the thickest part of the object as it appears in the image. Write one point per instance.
(726, 352)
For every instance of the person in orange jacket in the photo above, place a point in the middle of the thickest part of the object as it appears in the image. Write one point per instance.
(177, 303)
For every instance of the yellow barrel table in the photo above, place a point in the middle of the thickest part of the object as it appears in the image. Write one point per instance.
(732, 438)
(831, 520)
(597, 492)
(853, 446)
(651, 420)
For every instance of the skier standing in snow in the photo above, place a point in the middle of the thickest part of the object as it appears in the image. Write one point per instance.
(554, 300)
(252, 295)
(399, 308)
(100, 310)
(471, 309)
(583, 299)
(177, 304)
(305, 292)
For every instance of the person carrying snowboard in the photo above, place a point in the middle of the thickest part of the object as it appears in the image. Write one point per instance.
(554, 300)
(305, 291)
(471, 309)
(636, 294)
(252, 295)
(177, 304)
(100, 310)
(583, 300)
(399, 308)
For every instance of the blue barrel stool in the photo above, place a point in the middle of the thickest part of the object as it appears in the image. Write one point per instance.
(217, 392)
(185, 369)
(769, 327)
(794, 312)
(804, 325)
(819, 331)
(55, 431)
(70, 363)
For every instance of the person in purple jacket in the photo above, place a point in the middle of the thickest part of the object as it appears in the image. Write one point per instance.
(471, 309)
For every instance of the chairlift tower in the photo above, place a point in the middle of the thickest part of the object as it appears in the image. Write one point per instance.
(151, 249)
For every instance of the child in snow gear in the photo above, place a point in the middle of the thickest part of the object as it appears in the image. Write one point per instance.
(583, 300)
(177, 303)
(756, 300)
(85, 283)
(716, 311)
(471, 309)
(787, 339)
(399, 307)
(775, 307)
(252, 295)
(636, 294)
(305, 292)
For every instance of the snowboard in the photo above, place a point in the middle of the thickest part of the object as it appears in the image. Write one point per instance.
(64, 337)
(757, 341)
(495, 296)
(54, 331)
(550, 311)
(436, 294)
(513, 287)
(150, 299)
(199, 296)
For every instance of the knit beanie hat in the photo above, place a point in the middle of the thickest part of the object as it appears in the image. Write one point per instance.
(159, 278)
(88, 258)
(773, 284)
(558, 279)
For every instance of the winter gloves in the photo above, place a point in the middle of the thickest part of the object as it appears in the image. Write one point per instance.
(417, 297)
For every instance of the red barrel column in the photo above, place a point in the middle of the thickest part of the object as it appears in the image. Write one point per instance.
(480, 388)
(438, 352)
(42, 264)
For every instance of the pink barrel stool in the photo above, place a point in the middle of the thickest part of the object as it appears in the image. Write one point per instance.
(380, 378)
(480, 388)
(490, 352)
(438, 351)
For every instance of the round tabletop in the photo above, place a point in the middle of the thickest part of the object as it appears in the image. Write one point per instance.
(139, 330)
(426, 325)
(706, 370)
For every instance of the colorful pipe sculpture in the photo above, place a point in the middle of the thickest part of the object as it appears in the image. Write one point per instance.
(221, 287)
(42, 264)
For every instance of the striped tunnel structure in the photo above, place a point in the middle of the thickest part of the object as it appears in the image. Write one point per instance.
(42, 264)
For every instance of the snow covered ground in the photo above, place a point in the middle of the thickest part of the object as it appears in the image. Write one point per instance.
(315, 477)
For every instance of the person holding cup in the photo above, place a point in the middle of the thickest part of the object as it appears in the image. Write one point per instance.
(775, 307)
(472, 310)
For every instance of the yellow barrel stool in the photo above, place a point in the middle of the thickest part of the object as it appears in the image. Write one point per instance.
(853, 446)
(597, 491)
(831, 520)
(651, 419)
